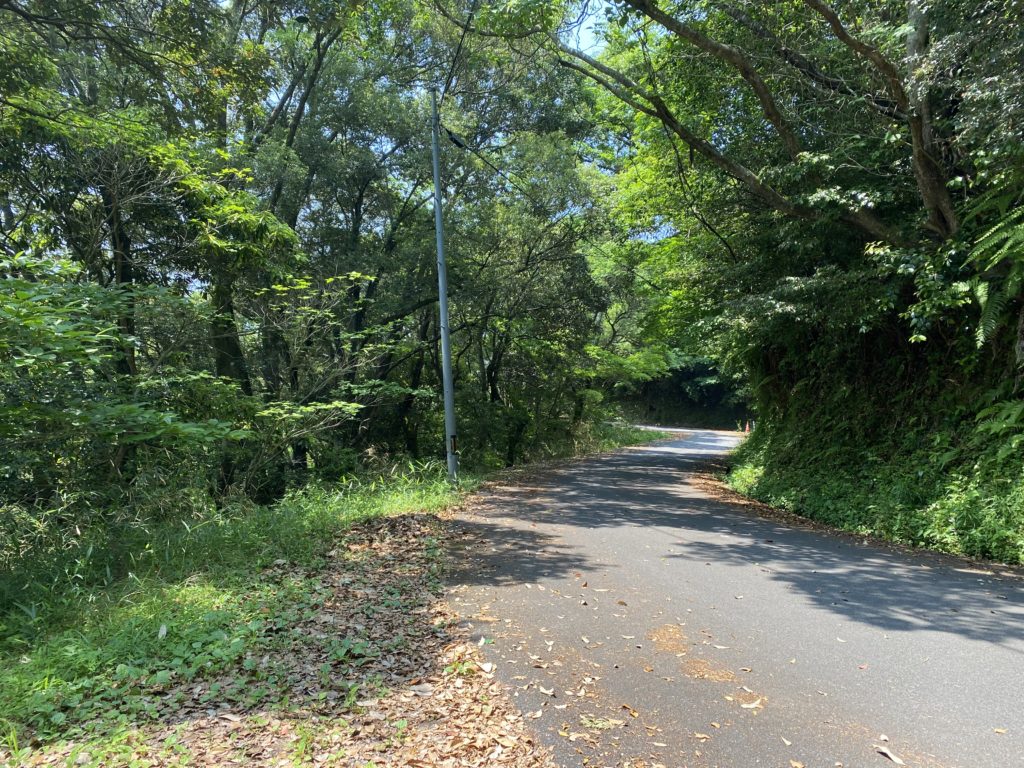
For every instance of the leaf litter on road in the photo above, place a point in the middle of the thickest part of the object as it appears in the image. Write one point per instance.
(371, 668)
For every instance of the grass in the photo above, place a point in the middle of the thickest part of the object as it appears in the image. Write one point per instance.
(100, 660)
(601, 436)
(85, 659)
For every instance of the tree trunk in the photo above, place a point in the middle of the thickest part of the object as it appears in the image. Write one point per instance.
(411, 429)
(229, 360)
(122, 462)
(124, 278)
(932, 178)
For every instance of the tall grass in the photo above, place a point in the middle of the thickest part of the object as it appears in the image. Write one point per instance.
(191, 602)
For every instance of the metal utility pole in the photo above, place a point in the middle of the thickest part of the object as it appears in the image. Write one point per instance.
(451, 442)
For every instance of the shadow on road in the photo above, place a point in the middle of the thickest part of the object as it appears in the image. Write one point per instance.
(497, 554)
(649, 486)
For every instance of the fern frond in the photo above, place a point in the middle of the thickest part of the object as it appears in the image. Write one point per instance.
(992, 310)
(1002, 240)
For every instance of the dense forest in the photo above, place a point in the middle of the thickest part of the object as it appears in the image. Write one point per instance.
(219, 333)
(218, 264)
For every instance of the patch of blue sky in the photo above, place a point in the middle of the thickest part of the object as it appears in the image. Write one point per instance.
(586, 34)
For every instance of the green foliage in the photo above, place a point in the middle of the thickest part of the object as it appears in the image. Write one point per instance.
(837, 229)
(198, 603)
(925, 479)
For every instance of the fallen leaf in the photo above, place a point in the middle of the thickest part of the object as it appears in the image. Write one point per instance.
(546, 691)
(886, 752)
(999, 730)
(752, 705)
(796, 764)
(786, 741)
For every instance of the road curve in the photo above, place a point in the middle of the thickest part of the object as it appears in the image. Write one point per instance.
(641, 621)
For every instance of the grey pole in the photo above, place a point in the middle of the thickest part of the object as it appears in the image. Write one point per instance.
(451, 443)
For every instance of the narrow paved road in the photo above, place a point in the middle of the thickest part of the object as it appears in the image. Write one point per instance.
(640, 621)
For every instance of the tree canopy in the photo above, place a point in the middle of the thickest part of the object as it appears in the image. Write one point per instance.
(218, 265)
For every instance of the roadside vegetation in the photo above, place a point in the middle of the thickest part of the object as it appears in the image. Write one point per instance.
(921, 490)
(147, 644)
(219, 347)
(191, 604)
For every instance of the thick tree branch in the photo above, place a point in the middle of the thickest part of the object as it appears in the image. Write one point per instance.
(650, 104)
(732, 56)
(633, 94)
(931, 176)
(882, 104)
(885, 67)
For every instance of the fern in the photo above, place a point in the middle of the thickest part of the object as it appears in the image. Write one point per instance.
(992, 300)
(1003, 240)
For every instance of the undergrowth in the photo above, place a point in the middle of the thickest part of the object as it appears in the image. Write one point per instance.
(593, 437)
(77, 656)
(950, 487)
(99, 633)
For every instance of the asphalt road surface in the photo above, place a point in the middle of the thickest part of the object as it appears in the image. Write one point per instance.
(641, 619)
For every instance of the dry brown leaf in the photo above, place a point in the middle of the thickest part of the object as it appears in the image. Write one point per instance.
(886, 752)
